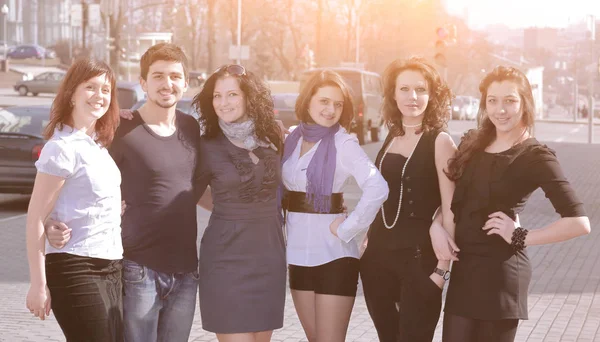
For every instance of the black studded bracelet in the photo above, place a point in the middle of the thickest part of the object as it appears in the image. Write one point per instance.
(518, 239)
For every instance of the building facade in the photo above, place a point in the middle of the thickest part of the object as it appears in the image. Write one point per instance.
(43, 22)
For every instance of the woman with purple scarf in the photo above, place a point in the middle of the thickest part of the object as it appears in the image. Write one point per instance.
(322, 250)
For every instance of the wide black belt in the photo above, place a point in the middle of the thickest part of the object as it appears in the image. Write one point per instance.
(295, 201)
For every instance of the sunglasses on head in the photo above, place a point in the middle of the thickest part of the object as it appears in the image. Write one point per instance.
(233, 69)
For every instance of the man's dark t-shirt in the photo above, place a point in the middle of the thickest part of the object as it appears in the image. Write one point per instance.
(159, 225)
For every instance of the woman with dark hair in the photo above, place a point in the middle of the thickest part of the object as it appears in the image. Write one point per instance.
(319, 157)
(402, 277)
(496, 169)
(78, 183)
(242, 254)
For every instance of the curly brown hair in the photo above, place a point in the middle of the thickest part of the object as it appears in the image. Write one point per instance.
(440, 96)
(313, 84)
(61, 112)
(478, 139)
(259, 106)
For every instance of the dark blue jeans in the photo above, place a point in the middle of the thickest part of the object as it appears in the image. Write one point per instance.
(158, 306)
(86, 297)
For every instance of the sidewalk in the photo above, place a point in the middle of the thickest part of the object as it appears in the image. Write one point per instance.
(564, 300)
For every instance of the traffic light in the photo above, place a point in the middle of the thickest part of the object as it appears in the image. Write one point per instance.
(446, 36)
(440, 47)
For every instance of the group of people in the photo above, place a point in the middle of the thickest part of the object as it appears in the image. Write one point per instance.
(111, 225)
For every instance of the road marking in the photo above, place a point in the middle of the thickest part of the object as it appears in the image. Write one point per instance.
(12, 218)
(572, 131)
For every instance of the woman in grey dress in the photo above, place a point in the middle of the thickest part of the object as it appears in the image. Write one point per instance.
(242, 253)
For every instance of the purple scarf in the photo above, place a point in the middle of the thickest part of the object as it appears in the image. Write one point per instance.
(321, 168)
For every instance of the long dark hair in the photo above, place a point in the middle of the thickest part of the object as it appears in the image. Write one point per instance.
(61, 112)
(259, 106)
(478, 139)
(315, 82)
(436, 114)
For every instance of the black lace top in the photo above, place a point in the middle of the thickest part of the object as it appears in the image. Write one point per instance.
(233, 177)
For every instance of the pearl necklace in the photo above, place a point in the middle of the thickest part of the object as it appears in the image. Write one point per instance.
(401, 182)
(413, 126)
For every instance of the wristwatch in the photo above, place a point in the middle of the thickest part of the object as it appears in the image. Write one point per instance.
(443, 273)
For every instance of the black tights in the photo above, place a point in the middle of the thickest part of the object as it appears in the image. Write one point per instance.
(462, 329)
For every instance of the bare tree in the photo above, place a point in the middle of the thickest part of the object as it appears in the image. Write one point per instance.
(210, 28)
(189, 26)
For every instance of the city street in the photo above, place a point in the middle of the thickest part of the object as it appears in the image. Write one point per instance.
(461, 49)
(564, 300)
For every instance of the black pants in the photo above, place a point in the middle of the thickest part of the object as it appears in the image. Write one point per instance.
(86, 296)
(403, 302)
(463, 329)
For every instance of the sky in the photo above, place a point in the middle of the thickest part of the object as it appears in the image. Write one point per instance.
(524, 13)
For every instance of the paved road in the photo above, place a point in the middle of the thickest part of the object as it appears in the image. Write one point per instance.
(564, 300)
(9, 97)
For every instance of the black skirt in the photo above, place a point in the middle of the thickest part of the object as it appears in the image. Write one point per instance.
(489, 288)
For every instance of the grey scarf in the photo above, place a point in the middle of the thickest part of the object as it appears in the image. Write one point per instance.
(242, 131)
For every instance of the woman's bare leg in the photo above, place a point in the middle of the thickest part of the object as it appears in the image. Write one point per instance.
(332, 317)
(304, 302)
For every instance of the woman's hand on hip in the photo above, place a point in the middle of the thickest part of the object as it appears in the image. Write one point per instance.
(57, 233)
(333, 227)
(500, 224)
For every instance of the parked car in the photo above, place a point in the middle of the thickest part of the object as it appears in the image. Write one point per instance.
(285, 108)
(31, 51)
(465, 108)
(184, 105)
(21, 142)
(197, 78)
(47, 82)
(367, 93)
(129, 93)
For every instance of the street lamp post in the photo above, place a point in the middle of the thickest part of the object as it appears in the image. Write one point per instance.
(4, 17)
(357, 57)
(239, 32)
(592, 78)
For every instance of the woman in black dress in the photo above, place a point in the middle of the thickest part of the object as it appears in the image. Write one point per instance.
(497, 167)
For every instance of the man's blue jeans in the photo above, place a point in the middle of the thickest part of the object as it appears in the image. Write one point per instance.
(157, 306)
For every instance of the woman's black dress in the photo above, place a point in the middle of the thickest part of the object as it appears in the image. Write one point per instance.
(490, 281)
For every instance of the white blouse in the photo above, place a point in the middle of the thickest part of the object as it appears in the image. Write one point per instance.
(309, 240)
(90, 200)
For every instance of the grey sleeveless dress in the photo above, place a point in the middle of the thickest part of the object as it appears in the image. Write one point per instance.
(242, 254)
